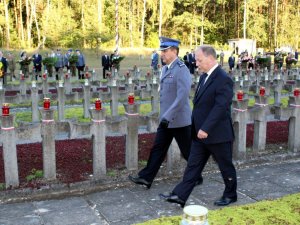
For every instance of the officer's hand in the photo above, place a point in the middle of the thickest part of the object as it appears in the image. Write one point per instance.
(202, 134)
(164, 123)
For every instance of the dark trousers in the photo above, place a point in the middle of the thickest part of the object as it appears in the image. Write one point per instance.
(104, 71)
(57, 70)
(200, 153)
(163, 139)
(80, 72)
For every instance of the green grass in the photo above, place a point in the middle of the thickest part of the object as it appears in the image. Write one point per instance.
(77, 113)
(34, 174)
(111, 173)
(282, 211)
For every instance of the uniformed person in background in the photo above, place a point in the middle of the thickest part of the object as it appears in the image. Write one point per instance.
(175, 112)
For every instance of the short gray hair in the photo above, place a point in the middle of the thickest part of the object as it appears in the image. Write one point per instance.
(208, 50)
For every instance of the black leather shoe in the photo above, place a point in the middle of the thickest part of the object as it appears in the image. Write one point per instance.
(140, 181)
(223, 201)
(200, 181)
(173, 199)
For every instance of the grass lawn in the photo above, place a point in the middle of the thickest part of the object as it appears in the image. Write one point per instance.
(282, 211)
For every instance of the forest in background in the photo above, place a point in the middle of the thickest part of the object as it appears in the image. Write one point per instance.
(92, 23)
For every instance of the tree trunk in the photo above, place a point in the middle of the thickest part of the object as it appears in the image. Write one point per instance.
(28, 24)
(117, 23)
(33, 5)
(160, 17)
(276, 23)
(16, 18)
(131, 23)
(245, 18)
(143, 24)
(47, 18)
(99, 16)
(21, 22)
(7, 24)
(83, 22)
(202, 27)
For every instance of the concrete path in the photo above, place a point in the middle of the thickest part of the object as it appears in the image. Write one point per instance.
(133, 204)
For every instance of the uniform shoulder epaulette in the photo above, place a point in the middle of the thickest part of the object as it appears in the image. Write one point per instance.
(180, 63)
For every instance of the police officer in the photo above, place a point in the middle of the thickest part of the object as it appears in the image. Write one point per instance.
(175, 112)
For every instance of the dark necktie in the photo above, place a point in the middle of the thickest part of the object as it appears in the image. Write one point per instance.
(203, 76)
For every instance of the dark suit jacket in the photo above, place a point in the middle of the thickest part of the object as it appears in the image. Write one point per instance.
(231, 61)
(105, 61)
(37, 61)
(211, 112)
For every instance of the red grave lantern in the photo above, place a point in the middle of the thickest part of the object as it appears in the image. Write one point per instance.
(262, 91)
(296, 92)
(5, 109)
(46, 103)
(98, 104)
(240, 95)
(131, 99)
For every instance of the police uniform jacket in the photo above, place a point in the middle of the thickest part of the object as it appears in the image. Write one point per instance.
(175, 85)
(60, 61)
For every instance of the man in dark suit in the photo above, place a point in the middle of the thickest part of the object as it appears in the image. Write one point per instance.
(186, 59)
(175, 112)
(105, 64)
(37, 64)
(212, 130)
(3, 67)
(231, 62)
(192, 62)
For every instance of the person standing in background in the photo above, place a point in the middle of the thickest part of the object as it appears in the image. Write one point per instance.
(66, 60)
(105, 64)
(192, 62)
(154, 60)
(11, 64)
(37, 64)
(186, 59)
(80, 64)
(222, 58)
(231, 61)
(59, 65)
(3, 68)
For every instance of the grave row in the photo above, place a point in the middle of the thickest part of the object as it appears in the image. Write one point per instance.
(129, 124)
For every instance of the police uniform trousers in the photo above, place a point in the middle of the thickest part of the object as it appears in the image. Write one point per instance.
(163, 139)
(200, 153)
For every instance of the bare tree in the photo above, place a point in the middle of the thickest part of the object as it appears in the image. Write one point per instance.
(160, 17)
(7, 23)
(143, 24)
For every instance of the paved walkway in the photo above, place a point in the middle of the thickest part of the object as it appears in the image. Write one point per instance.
(133, 204)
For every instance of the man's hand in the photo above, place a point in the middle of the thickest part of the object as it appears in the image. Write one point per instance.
(164, 123)
(202, 134)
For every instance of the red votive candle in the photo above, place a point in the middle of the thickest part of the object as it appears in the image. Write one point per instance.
(46, 103)
(131, 99)
(87, 75)
(22, 77)
(262, 91)
(98, 104)
(5, 109)
(66, 76)
(127, 73)
(240, 95)
(44, 76)
(148, 73)
(296, 92)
